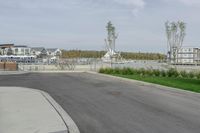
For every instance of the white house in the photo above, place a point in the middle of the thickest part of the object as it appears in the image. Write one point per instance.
(17, 50)
(4, 48)
(21, 50)
(39, 52)
(188, 55)
(53, 52)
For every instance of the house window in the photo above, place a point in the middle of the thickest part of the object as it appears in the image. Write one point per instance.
(16, 51)
(22, 50)
(26, 51)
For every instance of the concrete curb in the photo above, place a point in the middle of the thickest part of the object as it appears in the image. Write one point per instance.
(72, 127)
(57, 71)
(142, 83)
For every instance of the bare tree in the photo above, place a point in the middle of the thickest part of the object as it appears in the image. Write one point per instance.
(175, 32)
(111, 38)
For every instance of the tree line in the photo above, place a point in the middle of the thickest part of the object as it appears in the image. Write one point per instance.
(142, 56)
(99, 54)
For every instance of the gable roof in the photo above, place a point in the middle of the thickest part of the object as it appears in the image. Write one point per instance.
(21, 46)
(51, 49)
(37, 49)
(6, 45)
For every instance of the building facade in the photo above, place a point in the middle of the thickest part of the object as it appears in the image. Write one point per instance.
(22, 53)
(188, 55)
(54, 52)
(21, 50)
(39, 52)
(5, 48)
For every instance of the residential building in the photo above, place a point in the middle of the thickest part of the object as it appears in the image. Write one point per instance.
(21, 50)
(4, 48)
(39, 52)
(13, 52)
(188, 55)
(54, 52)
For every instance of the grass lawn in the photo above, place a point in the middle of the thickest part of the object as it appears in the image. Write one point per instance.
(181, 83)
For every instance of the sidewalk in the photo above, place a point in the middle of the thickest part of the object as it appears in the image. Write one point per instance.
(24, 110)
(11, 72)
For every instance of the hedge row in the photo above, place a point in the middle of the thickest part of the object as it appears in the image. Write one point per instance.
(151, 72)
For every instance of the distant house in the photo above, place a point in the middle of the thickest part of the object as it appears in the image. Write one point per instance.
(54, 52)
(188, 55)
(21, 50)
(11, 49)
(39, 52)
(5, 49)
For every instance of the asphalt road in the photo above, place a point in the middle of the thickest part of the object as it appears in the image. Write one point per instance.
(99, 104)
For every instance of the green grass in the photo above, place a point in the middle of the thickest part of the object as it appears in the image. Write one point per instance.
(181, 83)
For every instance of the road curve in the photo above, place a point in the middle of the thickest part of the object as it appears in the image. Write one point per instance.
(100, 104)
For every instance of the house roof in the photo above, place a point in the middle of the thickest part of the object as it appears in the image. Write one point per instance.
(37, 49)
(51, 49)
(6, 45)
(20, 46)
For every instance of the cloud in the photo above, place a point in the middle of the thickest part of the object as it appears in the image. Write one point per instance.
(190, 2)
(132, 3)
(185, 2)
(134, 6)
(37, 4)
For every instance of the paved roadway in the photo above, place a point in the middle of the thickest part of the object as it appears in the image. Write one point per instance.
(103, 105)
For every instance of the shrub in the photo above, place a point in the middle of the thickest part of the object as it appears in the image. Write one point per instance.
(149, 72)
(179, 76)
(117, 71)
(108, 71)
(163, 73)
(191, 75)
(137, 71)
(184, 74)
(142, 71)
(172, 73)
(198, 75)
(101, 70)
(124, 71)
(156, 72)
(130, 71)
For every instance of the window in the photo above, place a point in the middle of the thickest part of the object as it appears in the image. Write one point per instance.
(16, 51)
(22, 50)
(26, 51)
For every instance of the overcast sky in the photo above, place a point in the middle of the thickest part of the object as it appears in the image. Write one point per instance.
(80, 24)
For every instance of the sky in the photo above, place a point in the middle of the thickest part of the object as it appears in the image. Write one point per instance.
(80, 24)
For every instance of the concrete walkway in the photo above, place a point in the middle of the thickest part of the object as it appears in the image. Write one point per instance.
(24, 110)
(12, 72)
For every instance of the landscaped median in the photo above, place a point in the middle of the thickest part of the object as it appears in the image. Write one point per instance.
(172, 78)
